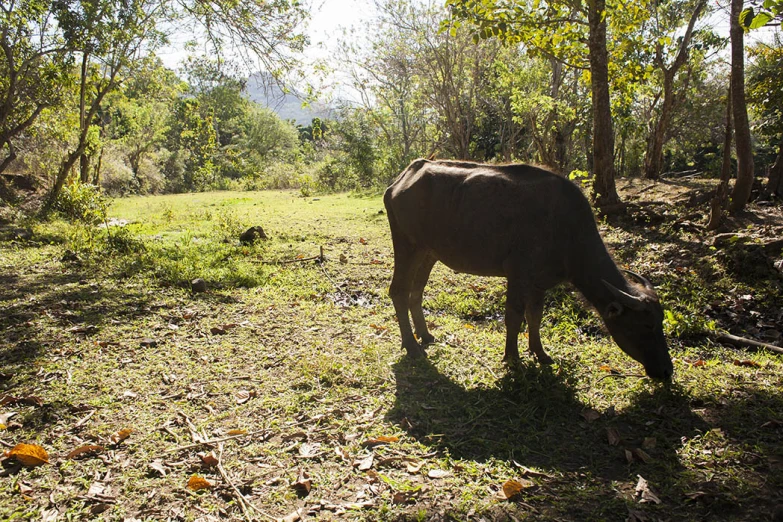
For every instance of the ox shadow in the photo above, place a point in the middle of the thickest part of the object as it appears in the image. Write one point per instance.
(532, 415)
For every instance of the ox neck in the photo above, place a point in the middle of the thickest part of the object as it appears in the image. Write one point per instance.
(589, 281)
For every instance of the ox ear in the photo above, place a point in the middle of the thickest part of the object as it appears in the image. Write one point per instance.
(624, 298)
(614, 310)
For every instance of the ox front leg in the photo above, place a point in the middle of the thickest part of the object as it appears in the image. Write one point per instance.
(534, 311)
(399, 291)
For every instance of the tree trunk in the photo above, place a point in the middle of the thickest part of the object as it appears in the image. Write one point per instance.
(775, 183)
(83, 159)
(719, 200)
(744, 184)
(653, 157)
(604, 190)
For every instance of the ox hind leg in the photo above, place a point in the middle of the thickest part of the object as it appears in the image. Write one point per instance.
(416, 297)
(407, 260)
(524, 304)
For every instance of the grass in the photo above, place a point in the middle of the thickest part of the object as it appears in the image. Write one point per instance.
(306, 359)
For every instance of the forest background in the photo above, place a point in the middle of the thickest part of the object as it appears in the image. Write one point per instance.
(86, 102)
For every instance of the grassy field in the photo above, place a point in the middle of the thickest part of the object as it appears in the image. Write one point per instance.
(288, 372)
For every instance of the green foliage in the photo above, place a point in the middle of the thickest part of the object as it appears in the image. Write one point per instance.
(765, 89)
(83, 203)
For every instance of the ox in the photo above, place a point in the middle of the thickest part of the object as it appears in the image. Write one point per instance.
(524, 223)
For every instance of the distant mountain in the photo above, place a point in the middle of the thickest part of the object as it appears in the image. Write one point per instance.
(263, 90)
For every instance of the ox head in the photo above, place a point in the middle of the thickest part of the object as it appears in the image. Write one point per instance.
(636, 324)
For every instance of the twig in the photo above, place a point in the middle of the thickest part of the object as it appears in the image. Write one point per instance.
(320, 257)
(214, 441)
(749, 344)
(244, 504)
(621, 376)
(6, 444)
(83, 420)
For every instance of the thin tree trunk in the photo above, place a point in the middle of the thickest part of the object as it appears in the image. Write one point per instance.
(84, 160)
(719, 200)
(604, 189)
(775, 182)
(742, 188)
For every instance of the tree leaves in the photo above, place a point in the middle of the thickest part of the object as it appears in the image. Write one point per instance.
(197, 483)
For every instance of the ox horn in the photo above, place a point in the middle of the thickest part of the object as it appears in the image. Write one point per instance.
(641, 279)
(624, 298)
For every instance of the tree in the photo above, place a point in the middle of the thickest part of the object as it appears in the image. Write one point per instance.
(654, 155)
(557, 29)
(742, 142)
(33, 69)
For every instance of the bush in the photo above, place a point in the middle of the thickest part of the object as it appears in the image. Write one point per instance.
(83, 203)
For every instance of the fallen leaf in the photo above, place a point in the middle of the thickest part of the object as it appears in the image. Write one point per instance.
(236, 432)
(649, 443)
(291, 517)
(29, 455)
(209, 460)
(642, 455)
(121, 435)
(378, 441)
(5, 416)
(629, 456)
(157, 465)
(438, 473)
(644, 492)
(242, 396)
(24, 489)
(217, 330)
(512, 488)
(613, 436)
(590, 415)
(403, 497)
(31, 400)
(378, 327)
(365, 463)
(196, 483)
(309, 449)
(84, 451)
(414, 467)
(148, 343)
(699, 363)
(341, 453)
(746, 362)
(303, 484)
(343, 259)
(362, 241)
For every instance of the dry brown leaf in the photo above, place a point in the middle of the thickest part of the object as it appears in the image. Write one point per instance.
(303, 484)
(414, 467)
(237, 431)
(613, 436)
(378, 441)
(512, 488)
(309, 449)
(365, 463)
(362, 241)
(31, 400)
(699, 363)
(340, 451)
(590, 415)
(746, 362)
(242, 396)
(209, 460)
(378, 327)
(642, 455)
(644, 492)
(649, 443)
(84, 451)
(121, 435)
(404, 497)
(157, 465)
(294, 516)
(197, 482)
(438, 473)
(29, 455)
(628, 456)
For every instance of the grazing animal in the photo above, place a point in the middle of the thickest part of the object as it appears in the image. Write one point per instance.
(527, 224)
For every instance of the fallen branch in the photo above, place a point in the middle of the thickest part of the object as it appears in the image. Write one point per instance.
(749, 344)
(215, 441)
(244, 503)
(320, 258)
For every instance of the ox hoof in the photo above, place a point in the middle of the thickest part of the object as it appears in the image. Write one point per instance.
(545, 359)
(427, 338)
(415, 351)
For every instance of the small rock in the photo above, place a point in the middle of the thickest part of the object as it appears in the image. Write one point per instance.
(249, 236)
(198, 285)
